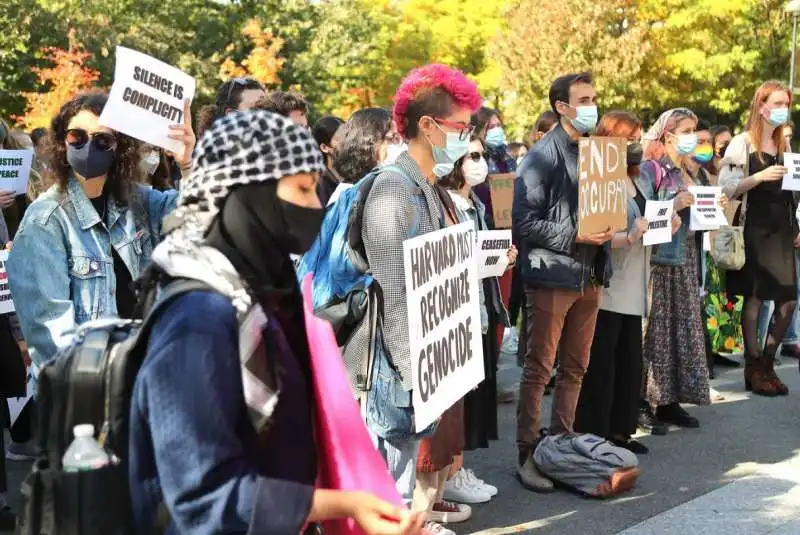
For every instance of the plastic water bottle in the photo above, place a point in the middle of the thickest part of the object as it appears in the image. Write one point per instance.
(85, 453)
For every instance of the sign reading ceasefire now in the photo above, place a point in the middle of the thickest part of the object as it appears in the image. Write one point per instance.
(603, 192)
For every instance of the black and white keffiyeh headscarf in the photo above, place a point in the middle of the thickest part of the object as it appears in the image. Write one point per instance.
(239, 149)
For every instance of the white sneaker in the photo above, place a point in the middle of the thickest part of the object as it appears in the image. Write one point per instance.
(446, 512)
(434, 528)
(716, 395)
(461, 489)
(491, 490)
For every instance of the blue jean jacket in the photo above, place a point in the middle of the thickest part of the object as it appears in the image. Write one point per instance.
(61, 269)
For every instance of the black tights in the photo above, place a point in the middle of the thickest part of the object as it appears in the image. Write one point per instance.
(778, 325)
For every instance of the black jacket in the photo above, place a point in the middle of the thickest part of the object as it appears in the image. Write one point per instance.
(545, 219)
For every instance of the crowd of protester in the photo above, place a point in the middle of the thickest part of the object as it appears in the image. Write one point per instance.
(615, 328)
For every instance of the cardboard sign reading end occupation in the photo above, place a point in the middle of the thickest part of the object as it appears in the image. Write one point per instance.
(15, 169)
(444, 325)
(791, 180)
(6, 303)
(501, 188)
(146, 98)
(602, 193)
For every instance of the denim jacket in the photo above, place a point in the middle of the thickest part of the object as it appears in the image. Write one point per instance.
(61, 268)
(669, 254)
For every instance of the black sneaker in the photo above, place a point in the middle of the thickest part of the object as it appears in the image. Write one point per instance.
(634, 446)
(649, 423)
(675, 414)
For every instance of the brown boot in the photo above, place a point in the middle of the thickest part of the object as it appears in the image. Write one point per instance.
(756, 379)
(769, 370)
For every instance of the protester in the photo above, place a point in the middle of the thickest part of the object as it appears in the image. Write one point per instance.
(287, 104)
(704, 151)
(720, 138)
(159, 169)
(517, 151)
(431, 111)
(218, 460)
(544, 124)
(675, 365)
(563, 273)
(788, 134)
(752, 170)
(361, 144)
(235, 94)
(489, 128)
(480, 405)
(323, 132)
(12, 384)
(609, 401)
(84, 241)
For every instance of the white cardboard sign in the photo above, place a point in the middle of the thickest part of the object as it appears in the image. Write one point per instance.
(15, 169)
(706, 213)
(444, 325)
(6, 303)
(493, 246)
(659, 222)
(146, 98)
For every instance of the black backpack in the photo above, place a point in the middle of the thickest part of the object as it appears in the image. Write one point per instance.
(91, 381)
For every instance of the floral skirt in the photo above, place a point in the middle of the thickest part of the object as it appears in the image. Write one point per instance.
(724, 314)
(674, 347)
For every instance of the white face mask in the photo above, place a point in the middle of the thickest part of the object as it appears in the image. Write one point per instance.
(475, 172)
(393, 151)
(150, 162)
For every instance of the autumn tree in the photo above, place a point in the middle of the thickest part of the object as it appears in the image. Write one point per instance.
(263, 63)
(67, 76)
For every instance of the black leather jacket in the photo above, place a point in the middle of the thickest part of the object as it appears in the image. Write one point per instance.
(545, 219)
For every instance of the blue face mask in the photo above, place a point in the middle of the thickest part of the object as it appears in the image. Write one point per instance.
(446, 158)
(496, 137)
(778, 116)
(585, 119)
(686, 144)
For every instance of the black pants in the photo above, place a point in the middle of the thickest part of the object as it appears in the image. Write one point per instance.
(3, 425)
(22, 430)
(609, 401)
(516, 301)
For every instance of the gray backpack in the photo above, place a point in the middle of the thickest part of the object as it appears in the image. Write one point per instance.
(587, 463)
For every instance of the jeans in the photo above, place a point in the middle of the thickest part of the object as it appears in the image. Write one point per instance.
(768, 307)
(401, 458)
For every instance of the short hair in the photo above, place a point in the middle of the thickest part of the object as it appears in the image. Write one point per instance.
(229, 96)
(432, 90)
(355, 144)
(545, 122)
(559, 90)
(514, 148)
(282, 103)
(324, 129)
(38, 135)
(702, 125)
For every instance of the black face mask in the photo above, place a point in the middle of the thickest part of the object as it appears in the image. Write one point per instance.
(89, 161)
(302, 225)
(635, 154)
(723, 148)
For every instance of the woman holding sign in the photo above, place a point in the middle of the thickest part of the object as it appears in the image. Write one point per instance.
(480, 405)
(84, 241)
(609, 402)
(752, 170)
(674, 346)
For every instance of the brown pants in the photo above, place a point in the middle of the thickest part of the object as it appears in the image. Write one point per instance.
(566, 314)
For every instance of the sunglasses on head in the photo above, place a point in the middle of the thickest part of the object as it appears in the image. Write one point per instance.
(475, 156)
(78, 137)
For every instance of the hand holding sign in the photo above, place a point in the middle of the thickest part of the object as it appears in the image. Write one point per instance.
(7, 198)
(683, 200)
(660, 222)
(773, 173)
(638, 230)
(598, 238)
(185, 134)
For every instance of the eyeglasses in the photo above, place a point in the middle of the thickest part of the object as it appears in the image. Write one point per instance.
(464, 129)
(78, 137)
(475, 156)
(236, 82)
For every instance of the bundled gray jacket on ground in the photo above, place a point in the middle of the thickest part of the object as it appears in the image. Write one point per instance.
(545, 219)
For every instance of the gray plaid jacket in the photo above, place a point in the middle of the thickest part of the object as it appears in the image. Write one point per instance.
(392, 209)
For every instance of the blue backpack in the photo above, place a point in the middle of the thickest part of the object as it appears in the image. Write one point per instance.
(338, 261)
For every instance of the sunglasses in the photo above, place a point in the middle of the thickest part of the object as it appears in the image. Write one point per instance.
(78, 137)
(475, 156)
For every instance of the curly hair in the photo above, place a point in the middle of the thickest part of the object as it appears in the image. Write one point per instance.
(456, 180)
(356, 143)
(123, 171)
(432, 90)
(283, 103)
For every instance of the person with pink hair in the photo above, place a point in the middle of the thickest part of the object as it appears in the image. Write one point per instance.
(432, 110)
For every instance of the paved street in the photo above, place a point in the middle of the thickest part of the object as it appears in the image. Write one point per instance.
(739, 474)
